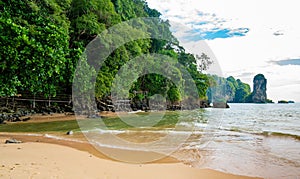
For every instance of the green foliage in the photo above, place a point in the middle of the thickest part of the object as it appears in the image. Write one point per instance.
(242, 91)
(125, 8)
(173, 94)
(204, 62)
(41, 44)
(189, 61)
(30, 32)
(283, 101)
(269, 101)
(228, 89)
(84, 74)
(259, 77)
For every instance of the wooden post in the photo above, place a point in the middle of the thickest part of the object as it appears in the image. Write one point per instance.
(49, 104)
(6, 101)
(13, 100)
(33, 105)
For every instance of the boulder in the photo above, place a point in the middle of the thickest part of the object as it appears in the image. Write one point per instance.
(220, 105)
(204, 104)
(1, 120)
(70, 133)
(12, 141)
(26, 119)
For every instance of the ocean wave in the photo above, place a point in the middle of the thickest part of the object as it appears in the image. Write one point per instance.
(165, 131)
(262, 133)
(62, 138)
(103, 131)
(280, 134)
(24, 134)
(121, 147)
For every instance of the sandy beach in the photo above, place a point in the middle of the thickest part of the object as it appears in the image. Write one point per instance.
(41, 156)
(44, 160)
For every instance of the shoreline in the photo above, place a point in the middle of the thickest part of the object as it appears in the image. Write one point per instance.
(85, 152)
(78, 141)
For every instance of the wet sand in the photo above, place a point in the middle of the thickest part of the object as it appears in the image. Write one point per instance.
(74, 157)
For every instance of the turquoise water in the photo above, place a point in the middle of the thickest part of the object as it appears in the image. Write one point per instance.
(248, 139)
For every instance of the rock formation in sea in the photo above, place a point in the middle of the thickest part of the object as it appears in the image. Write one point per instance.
(259, 94)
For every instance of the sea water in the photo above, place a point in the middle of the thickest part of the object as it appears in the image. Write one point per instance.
(260, 140)
(256, 140)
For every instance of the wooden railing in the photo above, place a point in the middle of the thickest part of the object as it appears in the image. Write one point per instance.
(34, 99)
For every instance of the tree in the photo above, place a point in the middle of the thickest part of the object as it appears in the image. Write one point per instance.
(228, 89)
(242, 91)
(42, 43)
(34, 46)
(203, 62)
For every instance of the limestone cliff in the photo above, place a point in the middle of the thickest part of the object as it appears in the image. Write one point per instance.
(259, 94)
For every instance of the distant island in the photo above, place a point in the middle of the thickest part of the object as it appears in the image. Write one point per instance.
(259, 94)
(285, 102)
(233, 90)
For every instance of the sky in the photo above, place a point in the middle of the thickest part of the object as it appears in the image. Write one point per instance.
(243, 37)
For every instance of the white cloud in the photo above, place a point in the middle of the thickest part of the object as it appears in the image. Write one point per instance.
(250, 53)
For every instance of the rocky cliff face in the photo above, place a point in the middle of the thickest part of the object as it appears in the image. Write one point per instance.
(259, 94)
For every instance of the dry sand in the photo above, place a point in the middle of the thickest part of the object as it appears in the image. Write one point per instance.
(41, 160)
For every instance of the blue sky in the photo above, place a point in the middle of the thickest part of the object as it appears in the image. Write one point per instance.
(244, 38)
(198, 34)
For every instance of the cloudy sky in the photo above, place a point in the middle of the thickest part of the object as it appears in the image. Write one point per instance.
(244, 37)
